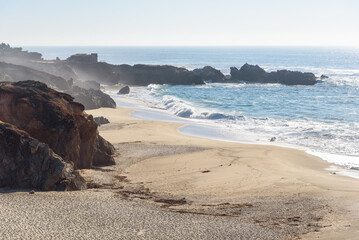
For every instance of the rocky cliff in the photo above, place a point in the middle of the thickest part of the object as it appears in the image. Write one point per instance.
(27, 163)
(55, 119)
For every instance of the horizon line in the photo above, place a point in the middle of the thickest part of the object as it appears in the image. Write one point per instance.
(224, 46)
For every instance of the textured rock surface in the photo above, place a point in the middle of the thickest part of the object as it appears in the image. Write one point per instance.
(53, 118)
(209, 73)
(124, 90)
(90, 98)
(27, 163)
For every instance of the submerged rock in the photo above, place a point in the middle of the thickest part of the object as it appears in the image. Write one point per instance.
(124, 90)
(52, 118)
(27, 163)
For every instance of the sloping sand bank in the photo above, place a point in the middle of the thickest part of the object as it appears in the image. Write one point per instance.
(273, 186)
(167, 185)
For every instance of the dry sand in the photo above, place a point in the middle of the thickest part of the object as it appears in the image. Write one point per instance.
(167, 185)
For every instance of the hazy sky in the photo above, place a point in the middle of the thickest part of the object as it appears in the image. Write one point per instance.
(182, 22)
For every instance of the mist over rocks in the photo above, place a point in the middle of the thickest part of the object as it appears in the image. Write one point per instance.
(14, 73)
(90, 98)
(55, 119)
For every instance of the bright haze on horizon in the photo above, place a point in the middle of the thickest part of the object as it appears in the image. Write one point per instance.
(180, 23)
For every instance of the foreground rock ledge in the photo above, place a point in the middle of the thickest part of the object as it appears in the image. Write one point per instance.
(27, 163)
(55, 119)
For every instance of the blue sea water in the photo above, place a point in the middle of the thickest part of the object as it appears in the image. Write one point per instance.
(323, 118)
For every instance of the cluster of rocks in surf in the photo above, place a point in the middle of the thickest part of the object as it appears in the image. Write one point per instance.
(45, 136)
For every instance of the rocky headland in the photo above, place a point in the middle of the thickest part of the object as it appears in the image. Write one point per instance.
(85, 71)
(48, 118)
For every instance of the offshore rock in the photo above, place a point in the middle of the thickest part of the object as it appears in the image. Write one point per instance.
(124, 90)
(209, 73)
(27, 163)
(255, 74)
(52, 118)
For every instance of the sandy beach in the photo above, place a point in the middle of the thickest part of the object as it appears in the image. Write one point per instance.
(167, 185)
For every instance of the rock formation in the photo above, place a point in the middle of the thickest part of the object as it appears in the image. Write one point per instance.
(101, 120)
(27, 163)
(91, 98)
(55, 119)
(255, 74)
(143, 75)
(209, 73)
(14, 73)
(124, 90)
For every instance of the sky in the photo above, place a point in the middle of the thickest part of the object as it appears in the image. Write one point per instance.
(179, 23)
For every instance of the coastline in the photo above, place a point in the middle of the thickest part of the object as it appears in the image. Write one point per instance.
(339, 164)
(234, 172)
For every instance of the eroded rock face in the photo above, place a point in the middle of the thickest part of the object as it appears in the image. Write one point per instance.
(53, 118)
(27, 163)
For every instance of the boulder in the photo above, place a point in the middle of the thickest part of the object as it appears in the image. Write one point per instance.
(52, 118)
(209, 73)
(90, 98)
(101, 120)
(26, 162)
(124, 90)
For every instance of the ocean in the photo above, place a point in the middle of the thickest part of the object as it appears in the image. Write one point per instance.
(322, 119)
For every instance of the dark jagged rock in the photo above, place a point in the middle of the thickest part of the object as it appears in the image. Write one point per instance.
(101, 120)
(249, 73)
(322, 77)
(14, 73)
(255, 74)
(124, 90)
(292, 78)
(209, 73)
(53, 118)
(27, 163)
(143, 75)
(91, 99)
